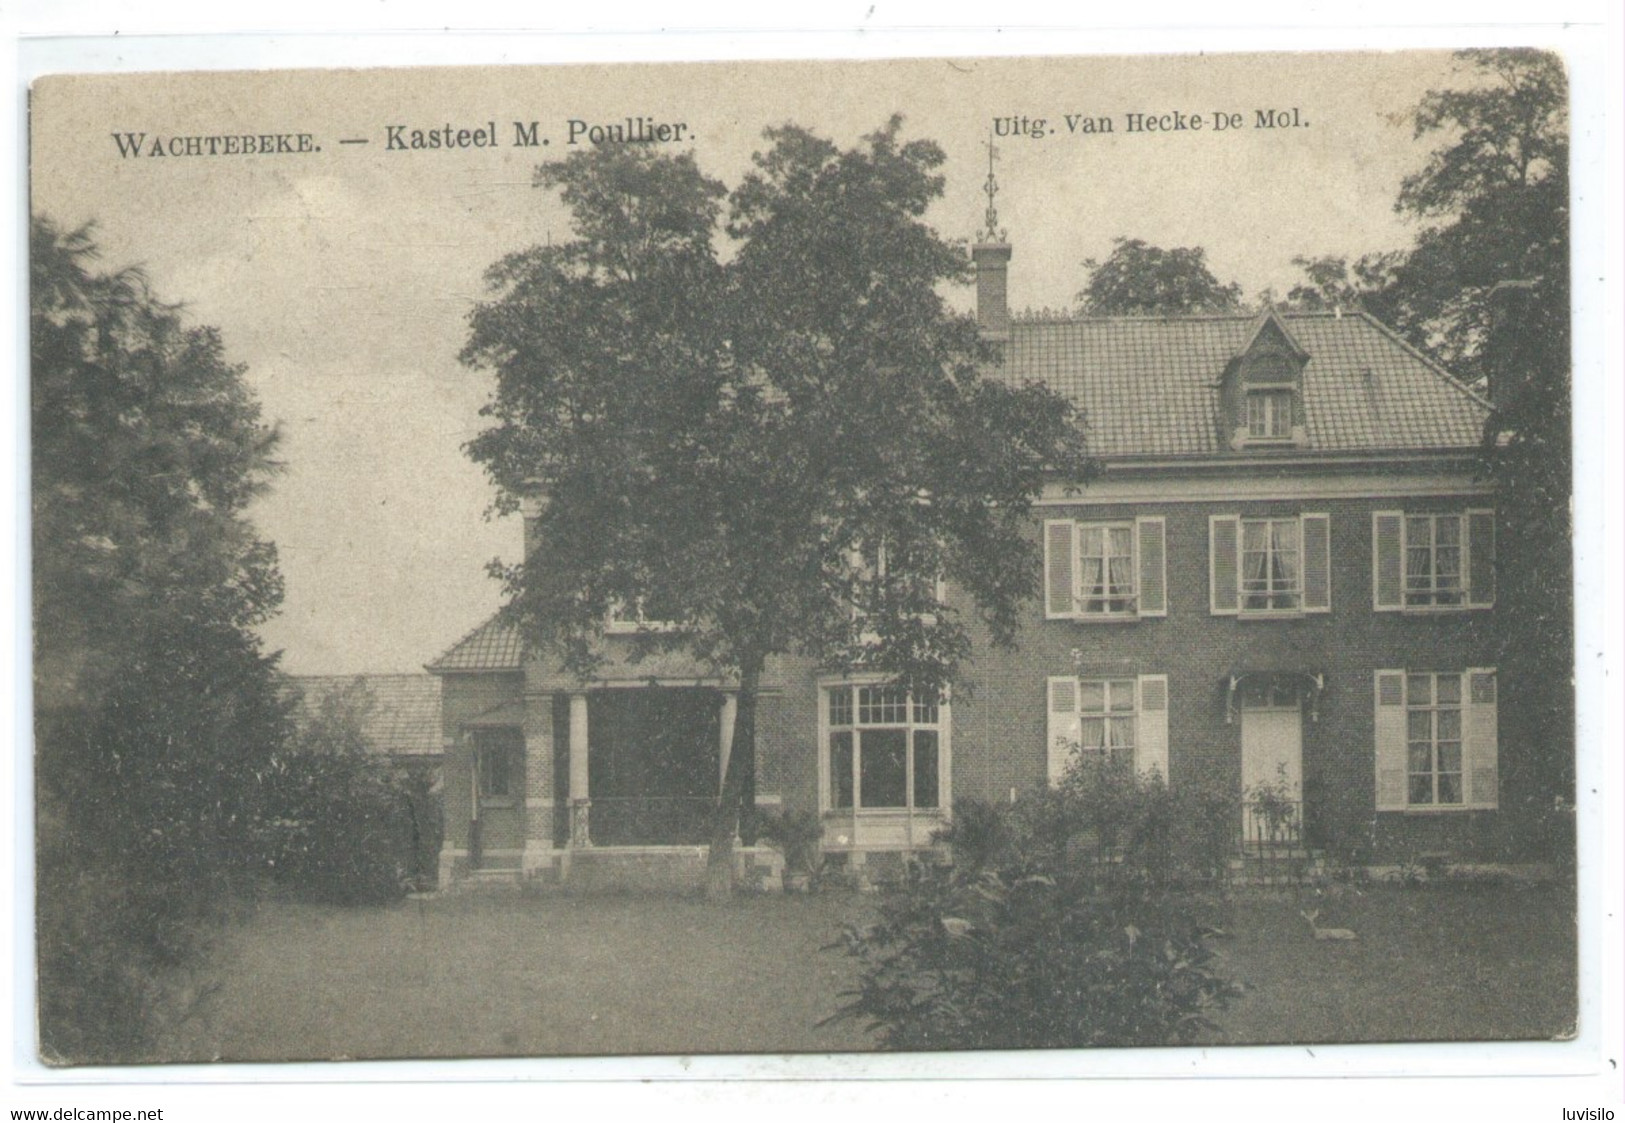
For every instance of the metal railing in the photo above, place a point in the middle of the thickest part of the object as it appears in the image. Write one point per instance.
(1271, 824)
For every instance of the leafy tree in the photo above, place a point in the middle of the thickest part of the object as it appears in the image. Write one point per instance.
(154, 705)
(1494, 196)
(719, 442)
(1141, 279)
(1333, 281)
(1487, 291)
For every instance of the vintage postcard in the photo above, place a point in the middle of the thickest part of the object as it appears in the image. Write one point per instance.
(803, 558)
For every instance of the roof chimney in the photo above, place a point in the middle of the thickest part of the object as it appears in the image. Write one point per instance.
(531, 506)
(992, 288)
(1506, 359)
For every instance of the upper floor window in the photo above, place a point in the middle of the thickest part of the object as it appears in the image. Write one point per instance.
(634, 617)
(1433, 549)
(882, 574)
(1432, 561)
(1271, 569)
(1105, 570)
(1269, 415)
(1273, 566)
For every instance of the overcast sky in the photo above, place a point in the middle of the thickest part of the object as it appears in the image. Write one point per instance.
(342, 277)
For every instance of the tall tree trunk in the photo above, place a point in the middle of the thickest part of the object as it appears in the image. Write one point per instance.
(719, 873)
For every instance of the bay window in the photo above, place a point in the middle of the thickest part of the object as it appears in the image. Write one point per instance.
(884, 748)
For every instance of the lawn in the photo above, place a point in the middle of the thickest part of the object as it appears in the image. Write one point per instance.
(1445, 962)
(528, 975)
(503, 975)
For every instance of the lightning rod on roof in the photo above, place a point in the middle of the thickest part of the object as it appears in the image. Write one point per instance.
(991, 232)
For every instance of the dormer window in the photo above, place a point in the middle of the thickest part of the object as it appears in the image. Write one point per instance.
(1262, 388)
(1269, 415)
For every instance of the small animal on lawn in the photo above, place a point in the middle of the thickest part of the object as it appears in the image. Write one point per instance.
(1326, 933)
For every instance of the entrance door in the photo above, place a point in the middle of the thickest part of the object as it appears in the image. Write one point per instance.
(1272, 767)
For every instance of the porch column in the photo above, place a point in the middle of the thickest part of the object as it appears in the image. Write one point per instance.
(725, 734)
(579, 799)
(476, 841)
(539, 794)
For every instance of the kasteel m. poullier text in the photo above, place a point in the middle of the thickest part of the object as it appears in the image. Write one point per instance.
(444, 136)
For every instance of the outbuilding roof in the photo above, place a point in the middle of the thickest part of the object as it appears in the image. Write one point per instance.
(403, 718)
(1150, 385)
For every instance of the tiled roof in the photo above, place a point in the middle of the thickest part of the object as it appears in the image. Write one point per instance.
(404, 715)
(1149, 385)
(493, 646)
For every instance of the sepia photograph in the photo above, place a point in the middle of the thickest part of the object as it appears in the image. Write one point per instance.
(803, 557)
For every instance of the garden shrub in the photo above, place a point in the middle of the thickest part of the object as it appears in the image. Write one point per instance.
(1067, 919)
(989, 960)
(1100, 821)
(347, 825)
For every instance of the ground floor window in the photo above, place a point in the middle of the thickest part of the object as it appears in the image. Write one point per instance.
(1437, 740)
(885, 748)
(1118, 718)
(1433, 738)
(498, 754)
(1106, 718)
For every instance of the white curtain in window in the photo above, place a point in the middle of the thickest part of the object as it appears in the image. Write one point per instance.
(1255, 555)
(1093, 551)
(1284, 551)
(1122, 560)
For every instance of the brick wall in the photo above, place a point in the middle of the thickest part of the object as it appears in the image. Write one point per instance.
(1000, 715)
(462, 697)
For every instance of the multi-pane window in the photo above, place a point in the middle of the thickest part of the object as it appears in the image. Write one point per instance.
(885, 575)
(1106, 568)
(1269, 415)
(1429, 562)
(1270, 567)
(1106, 725)
(1100, 571)
(1433, 571)
(1271, 573)
(1433, 735)
(884, 748)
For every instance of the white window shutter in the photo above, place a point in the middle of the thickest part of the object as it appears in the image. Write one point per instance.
(1064, 730)
(1317, 563)
(1151, 533)
(1224, 563)
(1480, 575)
(1480, 739)
(1151, 736)
(1390, 739)
(1387, 561)
(1060, 568)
